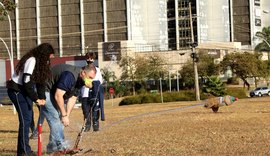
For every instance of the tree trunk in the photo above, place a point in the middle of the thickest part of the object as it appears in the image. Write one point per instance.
(133, 88)
(255, 82)
(246, 83)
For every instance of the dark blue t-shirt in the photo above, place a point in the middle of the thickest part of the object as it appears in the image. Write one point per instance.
(66, 81)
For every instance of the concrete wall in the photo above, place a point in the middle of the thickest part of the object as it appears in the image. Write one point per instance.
(213, 21)
(148, 23)
(265, 9)
(3, 73)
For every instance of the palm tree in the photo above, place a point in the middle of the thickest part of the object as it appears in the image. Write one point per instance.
(265, 37)
(108, 75)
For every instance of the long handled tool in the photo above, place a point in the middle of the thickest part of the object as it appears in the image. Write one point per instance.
(39, 139)
(76, 148)
(79, 137)
(39, 133)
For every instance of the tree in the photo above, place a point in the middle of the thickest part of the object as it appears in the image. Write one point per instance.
(127, 64)
(214, 86)
(108, 75)
(206, 68)
(142, 68)
(187, 74)
(265, 36)
(264, 70)
(9, 6)
(156, 66)
(243, 65)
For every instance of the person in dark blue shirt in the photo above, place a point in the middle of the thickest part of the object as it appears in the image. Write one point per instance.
(61, 94)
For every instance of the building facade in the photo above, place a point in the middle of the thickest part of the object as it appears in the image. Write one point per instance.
(76, 26)
(114, 28)
(217, 21)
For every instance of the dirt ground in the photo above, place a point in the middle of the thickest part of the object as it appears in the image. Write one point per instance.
(179, 128)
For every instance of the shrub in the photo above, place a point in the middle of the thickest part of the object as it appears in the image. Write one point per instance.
(184, 95)
(150, 98)
(214, 86)
(131, 100)
(236, 92)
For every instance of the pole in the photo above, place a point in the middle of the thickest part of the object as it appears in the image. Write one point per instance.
(161, 95)
(170, 81)
(112, 98)
(194, 51)
(177, 75)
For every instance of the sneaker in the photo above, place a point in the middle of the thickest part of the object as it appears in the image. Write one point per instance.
(87, 128)
(34, 135)
(95, 127)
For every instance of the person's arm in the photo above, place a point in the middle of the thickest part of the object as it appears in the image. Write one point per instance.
(58, 96)
(61, 105)
(70, 104)
(28, 83)
(41, 90)
(64, 85)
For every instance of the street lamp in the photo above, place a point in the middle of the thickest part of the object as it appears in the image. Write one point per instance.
(10, 53)
(5, 46)
(194, 56)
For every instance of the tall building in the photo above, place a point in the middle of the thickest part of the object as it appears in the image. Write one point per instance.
(72, 27)
(216, 21)
(76, 26)
(179, 26)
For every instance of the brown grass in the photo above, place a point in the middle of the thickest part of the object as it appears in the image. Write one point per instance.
(240, 129)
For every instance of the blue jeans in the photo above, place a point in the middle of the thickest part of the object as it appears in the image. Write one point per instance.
(53, 117)
(24, 107)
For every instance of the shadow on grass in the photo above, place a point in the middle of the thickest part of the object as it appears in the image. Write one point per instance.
(210, 112)
(7, 152)
(8, 131)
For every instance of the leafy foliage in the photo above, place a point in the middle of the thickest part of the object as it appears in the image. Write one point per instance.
(127, 64)
(214, 86)
(107, 74)
(243, 65)
(187, 74)
(8, 6)
(206, 68)
(206, 65)
(142, 68)
(236, 92)
(265, 36)
(156, 67)
(185, 95)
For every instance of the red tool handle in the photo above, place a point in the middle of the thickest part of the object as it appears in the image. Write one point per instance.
(39, 140)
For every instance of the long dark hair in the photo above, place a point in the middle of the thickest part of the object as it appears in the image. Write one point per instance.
(42, 68)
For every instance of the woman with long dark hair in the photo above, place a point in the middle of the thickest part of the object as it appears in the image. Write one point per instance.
(27, 86)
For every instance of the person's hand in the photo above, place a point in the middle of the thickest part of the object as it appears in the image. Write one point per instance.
(40, 102)
(65, 120)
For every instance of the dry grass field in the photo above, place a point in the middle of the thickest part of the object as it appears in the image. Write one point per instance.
(240, 129)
